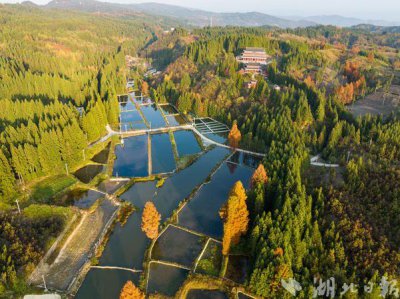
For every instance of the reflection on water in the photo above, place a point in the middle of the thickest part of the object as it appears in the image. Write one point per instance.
(153, 116)
(88, 173)
(165, 279)
(246, 159)
(206, 294)
(168, 109)
(131, 158)
(105, 283)
(102, 157)
(176, 120)
(202, 212)
(186, 143)
(127, 244)
(178, 246)
(162, 155)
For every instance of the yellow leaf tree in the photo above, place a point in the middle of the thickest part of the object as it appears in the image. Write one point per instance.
(130, 291)
(150, 220)
(144, 87)
(259, 176)
(235, 216)
(234, 136)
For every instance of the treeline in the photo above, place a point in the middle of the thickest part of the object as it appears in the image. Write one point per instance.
(58, 88)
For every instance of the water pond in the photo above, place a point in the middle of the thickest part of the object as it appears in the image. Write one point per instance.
(140, 100)
(140, 193)
(110, 186)
(123, 98)
(177, 246)
(105, 283)
(88, 173)
(176, 120)
(127, 106)
(127, 244)
(206, 294)
(180, 185)
(131, 121)
(243, 296)
(84, 199)
(162, 155)
(131, 158)
(201, 214)
(102, 157)
(237, 269)
(165, 279)
(246, 159)
(186, 143)
(153, 116)
(218, 137)
(168, 109)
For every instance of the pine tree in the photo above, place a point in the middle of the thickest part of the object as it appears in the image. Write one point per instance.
(7, 180)
(150, 220)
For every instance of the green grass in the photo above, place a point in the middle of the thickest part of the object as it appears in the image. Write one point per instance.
(49, 187)
(36, 211)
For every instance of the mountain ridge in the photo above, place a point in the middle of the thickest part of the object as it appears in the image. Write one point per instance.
(201, 18)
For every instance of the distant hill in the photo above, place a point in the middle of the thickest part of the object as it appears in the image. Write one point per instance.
(341, 21)
(197, 17)
(378, 29)
(190, 16)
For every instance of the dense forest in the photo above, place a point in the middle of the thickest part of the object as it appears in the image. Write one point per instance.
(60, 73)
(305, 224)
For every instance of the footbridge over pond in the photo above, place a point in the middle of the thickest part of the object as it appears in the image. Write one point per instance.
(192, 127)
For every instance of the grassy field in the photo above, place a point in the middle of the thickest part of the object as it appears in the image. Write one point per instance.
(49, 187)
(377, 103)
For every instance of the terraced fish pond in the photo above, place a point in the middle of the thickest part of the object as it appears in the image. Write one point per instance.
(95, 286)
(205, 183)
(88, 173)
(153, 116)
(206, 294)
(102, 157)
(201, 214)
(162, 155)
(188, 249)
(131, 158)
(187, 143)
(165, 279)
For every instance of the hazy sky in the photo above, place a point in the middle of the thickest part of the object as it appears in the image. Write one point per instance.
(367, 9)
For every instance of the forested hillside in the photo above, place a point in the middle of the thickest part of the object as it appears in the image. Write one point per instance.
(306, 223)
(51, 64)
(60, 73)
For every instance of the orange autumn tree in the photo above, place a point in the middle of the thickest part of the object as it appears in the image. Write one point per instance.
(130, 291)
(234, 136)
(259, 176)
(144, 87)
(309, 81)
(150, 220)
(235, 216)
